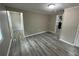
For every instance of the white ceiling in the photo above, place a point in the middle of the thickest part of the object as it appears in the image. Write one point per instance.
(41, 7)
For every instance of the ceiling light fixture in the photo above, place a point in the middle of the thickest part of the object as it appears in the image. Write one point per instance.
(51, 6)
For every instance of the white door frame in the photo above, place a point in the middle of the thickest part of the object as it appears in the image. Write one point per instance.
(76, 37)
(11, 31)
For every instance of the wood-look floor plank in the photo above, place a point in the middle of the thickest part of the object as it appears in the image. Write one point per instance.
(43, 47)
(36, 47)
(45, 44)
(25, 50)
(55, 49)
(32, 45)
(59, 50)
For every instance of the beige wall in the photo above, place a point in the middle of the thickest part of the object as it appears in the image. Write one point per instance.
(4, 27)
(70, 23)
(16, 20)
(52, 22)
(34, 22)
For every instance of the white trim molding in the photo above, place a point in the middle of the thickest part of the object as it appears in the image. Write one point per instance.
(9, 47)
(36, 33)
(76, 41)
(66, 42)
(52, 32)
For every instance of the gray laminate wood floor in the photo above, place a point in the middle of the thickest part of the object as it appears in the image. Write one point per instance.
(46, 44)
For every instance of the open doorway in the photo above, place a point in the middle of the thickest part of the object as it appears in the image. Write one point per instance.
(17, 31)
(58, 25)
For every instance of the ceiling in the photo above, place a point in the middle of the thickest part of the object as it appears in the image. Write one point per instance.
(41, 7)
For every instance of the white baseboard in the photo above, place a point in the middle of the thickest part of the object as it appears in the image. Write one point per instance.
(52, 32)
(66, 42)
(63, 40)
(36, 33)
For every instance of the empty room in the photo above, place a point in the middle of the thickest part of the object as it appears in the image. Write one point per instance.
(39, 29)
